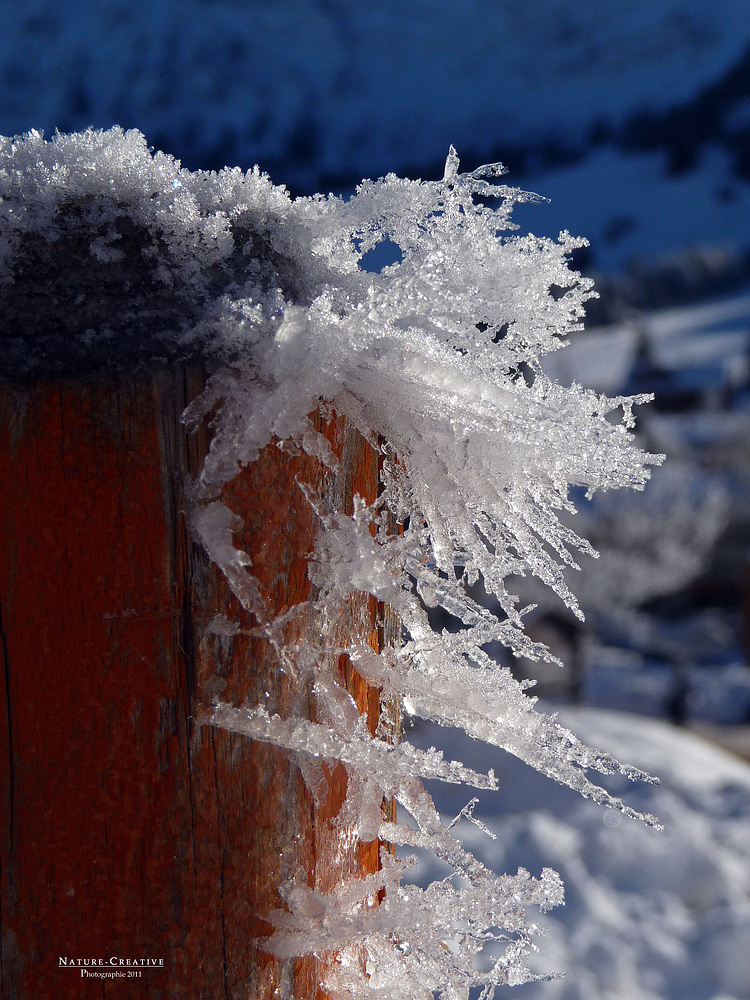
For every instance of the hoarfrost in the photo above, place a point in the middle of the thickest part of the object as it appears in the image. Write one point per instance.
(415, 938)
(436, 361)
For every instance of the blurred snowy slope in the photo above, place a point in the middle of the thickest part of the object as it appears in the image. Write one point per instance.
(333, 88)
(648, 915)
(631, 208)
(711, 335)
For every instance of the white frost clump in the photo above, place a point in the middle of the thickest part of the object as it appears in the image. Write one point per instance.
(436, 361)
(418, 941)
(437, 356)
(104, 170)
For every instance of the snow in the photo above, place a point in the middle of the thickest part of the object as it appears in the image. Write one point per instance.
(601, 361)
(639, 211)
(707, 336)
(657, 916)
(654, 545)
(687, 534)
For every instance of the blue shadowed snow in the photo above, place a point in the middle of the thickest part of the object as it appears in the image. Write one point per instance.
(648, 915)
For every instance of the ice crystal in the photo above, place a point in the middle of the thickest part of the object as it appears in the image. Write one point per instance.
(438, 357)
(417, 940)
(436, 361)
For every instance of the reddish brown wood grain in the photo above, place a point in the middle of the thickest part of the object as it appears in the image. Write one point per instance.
(125, 830)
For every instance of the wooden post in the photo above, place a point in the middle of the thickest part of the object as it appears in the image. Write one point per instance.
(127, 832)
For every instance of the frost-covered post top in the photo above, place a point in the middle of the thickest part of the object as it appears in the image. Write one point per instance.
(100, 238)
(435, 359)
(114, 259)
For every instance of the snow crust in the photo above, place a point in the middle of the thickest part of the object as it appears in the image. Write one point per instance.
(435, 359)
(649, 916)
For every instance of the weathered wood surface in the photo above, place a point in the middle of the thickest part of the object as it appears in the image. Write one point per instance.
(125, 830)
